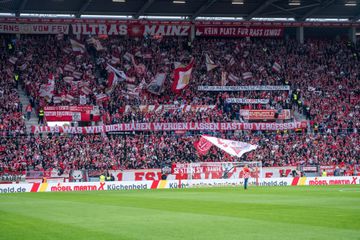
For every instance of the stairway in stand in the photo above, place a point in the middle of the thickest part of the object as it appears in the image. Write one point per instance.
(25, 101)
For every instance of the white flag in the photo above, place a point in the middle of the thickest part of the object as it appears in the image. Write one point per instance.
(233, 78)
(234, 148)
(210, 65)
(82, 99)
(155, 86)
(47, 90)
(77, 47)
(247, 75)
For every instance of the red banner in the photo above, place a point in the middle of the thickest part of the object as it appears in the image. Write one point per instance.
(264, 114)
(70, 113)
(188, 126)
(129, 28)
(137, 28)
(238, 31)
(132, 29)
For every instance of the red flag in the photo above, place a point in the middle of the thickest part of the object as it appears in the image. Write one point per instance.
(202, 146)
(182, 77)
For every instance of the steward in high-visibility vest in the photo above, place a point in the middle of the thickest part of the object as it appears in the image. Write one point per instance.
(324, 173)
(16, 78)
(102, 178)
(41, 116)
(108, 178)
(10, 47)
(316, 127)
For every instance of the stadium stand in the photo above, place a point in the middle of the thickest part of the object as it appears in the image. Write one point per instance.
(323, 76)
(158, 150)
(11, 119)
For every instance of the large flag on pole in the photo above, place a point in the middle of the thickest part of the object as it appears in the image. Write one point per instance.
(96, 43)
(47, 90)
(77, 46)
(202, 146)
(155, 86)
(182, 77)
(114, 76)
(234, 148)
(112, 81)
(210, 65)
(117, 72)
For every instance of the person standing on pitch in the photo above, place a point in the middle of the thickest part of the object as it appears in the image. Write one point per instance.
(246, 172)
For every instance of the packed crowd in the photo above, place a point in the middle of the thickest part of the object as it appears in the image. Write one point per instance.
(158, 150)
(164, 56)
(11, 117)
(319, 73)
(323, 76)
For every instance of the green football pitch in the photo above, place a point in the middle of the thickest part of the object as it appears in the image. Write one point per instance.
(331, 212)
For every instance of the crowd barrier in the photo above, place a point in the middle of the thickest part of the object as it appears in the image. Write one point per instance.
(169, 184)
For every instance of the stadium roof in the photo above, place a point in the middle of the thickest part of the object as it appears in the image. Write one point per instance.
(246, 9)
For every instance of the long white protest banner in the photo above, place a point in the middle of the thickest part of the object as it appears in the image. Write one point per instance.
(180, 126)
(244, 88)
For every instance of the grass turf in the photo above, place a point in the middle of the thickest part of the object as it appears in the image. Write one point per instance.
(323, 212)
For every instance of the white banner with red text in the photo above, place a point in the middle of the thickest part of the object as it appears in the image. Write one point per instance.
(71, 113)
(187, 126)
(161, 184)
